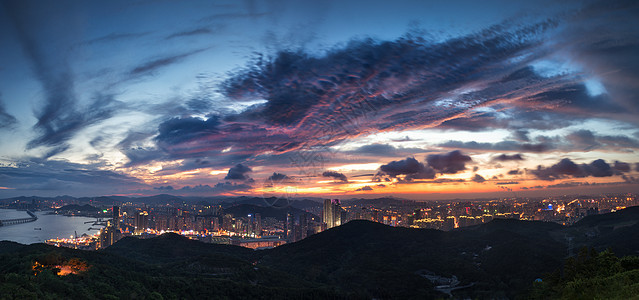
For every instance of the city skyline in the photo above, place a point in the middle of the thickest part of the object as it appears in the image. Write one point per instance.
(419, 99)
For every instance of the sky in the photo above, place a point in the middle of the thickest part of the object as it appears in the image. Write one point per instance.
(422, 100)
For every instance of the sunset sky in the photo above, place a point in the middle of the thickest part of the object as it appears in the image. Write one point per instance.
(414, 99)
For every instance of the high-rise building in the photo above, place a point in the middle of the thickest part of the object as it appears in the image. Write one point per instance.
(327, 213)
(141, 222)
(303, 226)
(215, 223)
(161, 223)
(109, 235)
(290, 223)
(258, 224)
(333, 213)
(116, 216)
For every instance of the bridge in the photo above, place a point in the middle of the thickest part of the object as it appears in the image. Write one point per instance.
(32, 217)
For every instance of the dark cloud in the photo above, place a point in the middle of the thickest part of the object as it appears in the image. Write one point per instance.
(298, 82)
(563, 168)
(499, 146)
(278, 177)
(116, 37)
(365, 188)
(514, 172)
(179, 130)
(6, 120)
(164, 188)
(630, 179)
(567, 168)
(205, 189)
(410, 167)
(151, 66)
(222, 16)
(384, 150)
(620, 141)
(587, 140)
(536, 148)
(621, 166)
(37, 174)
(220, 187)
(598, 168)
(637, 167)
(446, 180)
(335, 175)
(188, 33)
(505, 188)
(584, 139)
(478, 178)
(507, 183)
(567, 185)
(408, 139)
(521, 135)
(506, 157)
(238, 172)
(359, 88)
(516, 119)
(365, 86)
(449, 163)
(376, 149)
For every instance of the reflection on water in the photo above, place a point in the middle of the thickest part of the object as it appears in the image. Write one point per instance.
(48, 226)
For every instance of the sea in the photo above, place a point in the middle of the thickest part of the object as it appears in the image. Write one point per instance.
(47, 226)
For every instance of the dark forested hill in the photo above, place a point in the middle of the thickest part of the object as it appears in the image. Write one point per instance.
(360, 259)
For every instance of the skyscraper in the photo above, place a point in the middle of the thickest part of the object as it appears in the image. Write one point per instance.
(332, 214)
(116, 217)
(303, 226)
(258, 224)
(290, 224)
(327, 213)
(141, 222)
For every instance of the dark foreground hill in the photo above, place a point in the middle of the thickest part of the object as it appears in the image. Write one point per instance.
(500, 259)
(360, 259)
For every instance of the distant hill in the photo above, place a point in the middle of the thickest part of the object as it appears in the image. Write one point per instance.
(265, 211)
(379, 202)
(75, 207)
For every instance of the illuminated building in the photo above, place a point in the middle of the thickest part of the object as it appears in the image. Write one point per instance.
(304, 226)
(327, 214)
(290, 231)
(258, 224)
(116, 216)
(333, 213)
(141, 222)
(111, 233)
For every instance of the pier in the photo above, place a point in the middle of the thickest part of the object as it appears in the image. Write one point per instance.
(32, 217)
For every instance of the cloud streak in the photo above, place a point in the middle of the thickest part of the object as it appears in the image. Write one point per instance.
(149, 67)
(6, 119)
(61, 116)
